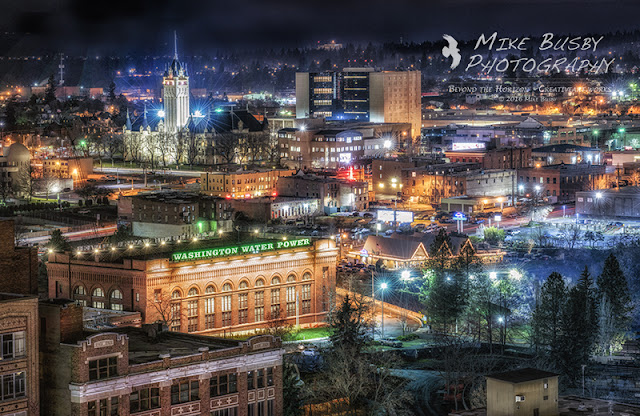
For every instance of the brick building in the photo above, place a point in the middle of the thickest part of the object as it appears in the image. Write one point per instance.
(433, 183)
(19, 372)
(498, 158)
(209, 286)
(21, 263)
(174, 213)
(242, 184)
(334, 193)
(562, 180)
(150, 372)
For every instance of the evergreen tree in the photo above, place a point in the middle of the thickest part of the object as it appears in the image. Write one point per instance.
(112, 92)
(547, 316)
(445, 297)
(349, 328)
(50, 92)
(58, 242)
(613, 284)
(580, 325)
(439, 249)
(292, 390)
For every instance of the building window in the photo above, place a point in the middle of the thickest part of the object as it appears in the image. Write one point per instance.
(103, 368)
(144, 399)
(251, 380)
(271, 408)
(184, 392)
(13, 386)
(275, 303)
(270, 376)
(243, 304)
(230, 411)
(291, 301)
(98, 303)
(209, 313)
(224, 384)
(306, 298)
(192, 314)
(104, 407)
(13, 345)
(175, 316)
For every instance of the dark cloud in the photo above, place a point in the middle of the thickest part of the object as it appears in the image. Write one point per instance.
(147, 25)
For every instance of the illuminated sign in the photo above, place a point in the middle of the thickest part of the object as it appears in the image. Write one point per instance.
(400, 216)
(467, 146)
(459, 216)
(255, 248)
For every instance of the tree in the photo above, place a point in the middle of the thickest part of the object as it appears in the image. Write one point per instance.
(439, 251)
(580, 325)
(226, 146)
(444, 295)
(547, 316)
(493, 235)
(613, 292)
(111, 91)
(292, 390)
(349, 324)
(58, 242)
(50, 92)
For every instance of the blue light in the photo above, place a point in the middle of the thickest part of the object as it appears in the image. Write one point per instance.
(161, 113)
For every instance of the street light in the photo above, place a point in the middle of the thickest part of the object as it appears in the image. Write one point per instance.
(405, 275)
(383, 286)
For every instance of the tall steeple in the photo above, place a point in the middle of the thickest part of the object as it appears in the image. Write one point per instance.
(128, 122)
(175, 45)
(175, 92)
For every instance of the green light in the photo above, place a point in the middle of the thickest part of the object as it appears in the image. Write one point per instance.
(595, 132)
(200, 225)
(621, 130)
(209, 253)
(218, 110)
(83, 142)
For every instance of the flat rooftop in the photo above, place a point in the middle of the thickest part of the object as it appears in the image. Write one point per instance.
(575, 406)
(144, 348)
(522, 375)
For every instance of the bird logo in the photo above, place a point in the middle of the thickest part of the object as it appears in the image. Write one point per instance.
(451, 50)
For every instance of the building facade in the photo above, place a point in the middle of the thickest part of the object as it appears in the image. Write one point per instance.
(175, 95)
(527, 391)
(335, 194)
(242, 184)
(148, 372)
(561, 181)
(361, 94)
(19, 371)
(212, 287)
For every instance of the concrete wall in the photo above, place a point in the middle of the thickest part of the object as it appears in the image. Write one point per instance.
(302, 95)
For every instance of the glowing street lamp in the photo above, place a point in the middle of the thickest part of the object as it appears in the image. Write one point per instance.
(383, 286)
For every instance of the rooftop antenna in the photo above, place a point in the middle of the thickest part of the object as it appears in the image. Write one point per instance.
(175, 44)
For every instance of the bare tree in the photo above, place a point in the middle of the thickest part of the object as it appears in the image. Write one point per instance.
(571, 234)
(226, 146)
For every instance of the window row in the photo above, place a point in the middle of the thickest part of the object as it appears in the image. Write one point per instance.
(244, 284)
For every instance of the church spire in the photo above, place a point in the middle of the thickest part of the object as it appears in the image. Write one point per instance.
(175, 45)
(128, 122)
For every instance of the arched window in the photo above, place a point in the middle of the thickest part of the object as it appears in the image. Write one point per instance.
(193, 292)
(98, 292)
(243, 285)
(306, 276)
(210, 289)
(175, 294)
(275, 281)
(116, 294)
(259, 282)
(79, 290)
(291, 278)
(227, 287)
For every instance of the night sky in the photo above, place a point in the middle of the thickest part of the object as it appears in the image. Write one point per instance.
(147, 25)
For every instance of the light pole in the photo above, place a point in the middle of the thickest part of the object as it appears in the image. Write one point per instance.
(583, 366)
(383, 286)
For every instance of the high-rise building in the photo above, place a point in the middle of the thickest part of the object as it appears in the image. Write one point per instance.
(361, 94)
(175, 83)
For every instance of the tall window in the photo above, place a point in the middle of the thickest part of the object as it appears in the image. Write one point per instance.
(224, 384)
(144, 399)
(175, 311)
(226, 310)
(116, 300)
(305, 295)
(13, 385)
(78, 295)
(275, 303)
(98, 298)
(209, 308)
(104, 407)
(230, 411)
(13, 345)
(184, 392)
(259, 306)
(243, 305)
(103, 368)
(291, 301)
(192, 314)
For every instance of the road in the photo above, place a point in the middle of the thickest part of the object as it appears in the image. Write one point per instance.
(76, 235)
(140, 171)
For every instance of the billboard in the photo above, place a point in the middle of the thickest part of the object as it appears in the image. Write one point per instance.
(400, 216)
